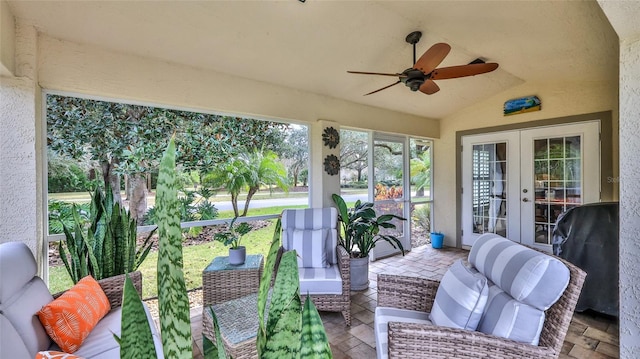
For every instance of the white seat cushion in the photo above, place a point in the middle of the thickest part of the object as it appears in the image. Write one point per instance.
(461, 298)
(507, 318)
(384, 315)
(528, 276)
(320, 280)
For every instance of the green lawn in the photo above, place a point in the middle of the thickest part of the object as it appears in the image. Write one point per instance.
(196, 258)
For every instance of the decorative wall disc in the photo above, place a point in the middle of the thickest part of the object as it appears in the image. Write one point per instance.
(331, 165)
(331, 137)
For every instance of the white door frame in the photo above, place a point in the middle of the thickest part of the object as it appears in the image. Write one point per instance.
(512, 140)
(590, 171)
(520, 198)
(383, 249)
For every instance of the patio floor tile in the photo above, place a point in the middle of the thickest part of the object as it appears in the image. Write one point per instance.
(590, 335)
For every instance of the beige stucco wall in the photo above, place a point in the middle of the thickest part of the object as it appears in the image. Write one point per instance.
(7, 40)
(558, 100)
(20, 155)
(630, 198)
(624, 18)
(76, 68)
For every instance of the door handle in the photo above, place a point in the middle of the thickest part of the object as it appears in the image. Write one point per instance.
(525, 199)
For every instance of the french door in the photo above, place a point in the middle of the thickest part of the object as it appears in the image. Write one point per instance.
(517, 183)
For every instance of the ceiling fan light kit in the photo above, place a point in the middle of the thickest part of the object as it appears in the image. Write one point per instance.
(420, 77)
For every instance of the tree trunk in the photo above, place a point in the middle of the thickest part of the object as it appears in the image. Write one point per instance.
(127, 188)
(252, 191)
(234, 203)
(359, 175)
(138, 199)
(111, 179)
(295, 178)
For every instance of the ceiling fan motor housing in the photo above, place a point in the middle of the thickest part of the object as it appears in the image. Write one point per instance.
(415, 78)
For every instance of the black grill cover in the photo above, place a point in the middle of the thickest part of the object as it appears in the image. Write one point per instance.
(587, 236)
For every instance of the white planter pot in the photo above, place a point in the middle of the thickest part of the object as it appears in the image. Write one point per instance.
(359, 273)
(237, 256)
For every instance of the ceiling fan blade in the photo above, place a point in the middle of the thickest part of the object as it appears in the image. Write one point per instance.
(429, 87)
(376, 73)
(462, 71)
(384, 88)
(432, 57)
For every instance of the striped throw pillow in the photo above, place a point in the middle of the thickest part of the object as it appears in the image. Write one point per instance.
(528, 276)
(310, 247)
(507, 318)
(460, 299)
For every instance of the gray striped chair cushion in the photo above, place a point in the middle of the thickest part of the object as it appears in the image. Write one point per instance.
(528, 276)
(507, 318)
(309, 245)
(460, 299)
(312, 218)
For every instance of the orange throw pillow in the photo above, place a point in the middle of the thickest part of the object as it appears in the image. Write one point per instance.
(70, 318)
(50, 354)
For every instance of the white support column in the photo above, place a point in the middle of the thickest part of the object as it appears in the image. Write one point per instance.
(21, 209)
(321, 184)
(629, 198)
(623, 16)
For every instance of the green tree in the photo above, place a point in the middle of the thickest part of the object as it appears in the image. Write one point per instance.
(248, 171)
(420, 172)
(353, 151)
(121, 138)
(296, 153)
(124, 139)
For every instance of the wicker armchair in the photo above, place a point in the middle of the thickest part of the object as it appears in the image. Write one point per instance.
(409, 340)
(336, 299)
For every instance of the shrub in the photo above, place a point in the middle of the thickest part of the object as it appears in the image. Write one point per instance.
(61, 214)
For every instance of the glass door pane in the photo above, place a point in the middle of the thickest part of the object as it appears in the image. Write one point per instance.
(388, 169)
(558, 181)
(420, 196)
(489, 188)
(388, 187)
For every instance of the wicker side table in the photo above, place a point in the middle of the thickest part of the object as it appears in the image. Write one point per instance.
(228, 286)
(238, 321)
(222, 282)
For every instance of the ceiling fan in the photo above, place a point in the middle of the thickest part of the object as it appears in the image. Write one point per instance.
(424, 71)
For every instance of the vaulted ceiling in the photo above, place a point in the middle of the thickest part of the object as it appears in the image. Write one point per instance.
(310, 46)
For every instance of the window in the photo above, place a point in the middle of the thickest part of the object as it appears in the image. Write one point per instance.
(228, 165)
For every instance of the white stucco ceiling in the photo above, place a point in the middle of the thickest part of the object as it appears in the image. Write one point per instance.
(310, 46)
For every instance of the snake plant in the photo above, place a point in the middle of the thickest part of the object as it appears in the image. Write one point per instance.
(291, 330)
(107, 246)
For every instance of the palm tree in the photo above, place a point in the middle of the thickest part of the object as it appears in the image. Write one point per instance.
(420, 172)
(249, 171)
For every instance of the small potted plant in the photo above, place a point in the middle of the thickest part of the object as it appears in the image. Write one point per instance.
(231, 237)
(361, 228)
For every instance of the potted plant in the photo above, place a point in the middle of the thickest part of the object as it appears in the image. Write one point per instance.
(231, 237)
(360, 232)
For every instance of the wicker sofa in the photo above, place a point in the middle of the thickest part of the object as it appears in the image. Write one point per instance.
(23, 294)
(417, 337)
